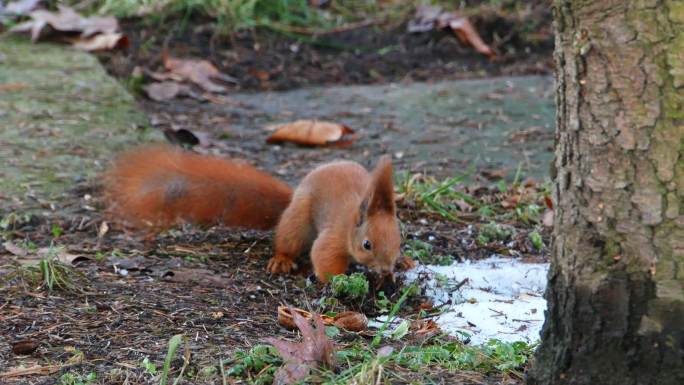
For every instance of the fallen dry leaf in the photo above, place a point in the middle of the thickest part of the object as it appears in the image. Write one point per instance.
(312, 133)
(31, 257)
(166, 90)
(100, 42)
(463, 206)
(510, 202)
(199, 72)
(16, 8)
(468, 35)
(494, 174)
(202, 277)
(315, 350)
(430, 17)
(425, 328)
(14, 249)
(548, 202)
(66, 20)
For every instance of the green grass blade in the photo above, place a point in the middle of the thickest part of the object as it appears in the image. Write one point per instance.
(395, 309)
(173, 346)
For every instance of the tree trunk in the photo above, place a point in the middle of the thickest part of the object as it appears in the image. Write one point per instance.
(616, 285)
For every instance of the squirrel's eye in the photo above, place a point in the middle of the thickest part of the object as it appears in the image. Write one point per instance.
(367, 244)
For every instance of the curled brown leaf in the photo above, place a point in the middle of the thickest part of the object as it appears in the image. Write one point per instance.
(312, 133)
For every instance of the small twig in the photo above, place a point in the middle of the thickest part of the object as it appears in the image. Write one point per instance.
(525, 320)
(498, 313)
(223, 372)
(460, 284)
(250, 247)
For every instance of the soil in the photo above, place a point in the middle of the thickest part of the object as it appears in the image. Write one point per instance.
(521, 38)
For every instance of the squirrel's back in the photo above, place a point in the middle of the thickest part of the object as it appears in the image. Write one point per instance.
(160, 185)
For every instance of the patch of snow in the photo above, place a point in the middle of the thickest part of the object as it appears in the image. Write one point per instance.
(497, 297)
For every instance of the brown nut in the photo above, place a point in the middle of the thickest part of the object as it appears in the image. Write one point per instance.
(25, 347)
(285, 317)
(351, 320)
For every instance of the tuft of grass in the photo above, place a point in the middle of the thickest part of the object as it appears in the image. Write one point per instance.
(295, 17)
(351, 287)
(174, 342)
(363, 362)
(13, 221)
(493, 357)
(410, 290)
(382, 303)
(451, 199)
(422, 252)
(56, 230)
(493, 231)
(436, 196)
(257, 365)
(149, 366)
(536, 240)
(74, 378)
(49, 274)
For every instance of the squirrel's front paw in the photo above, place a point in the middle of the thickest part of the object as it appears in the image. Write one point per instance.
(280, 264)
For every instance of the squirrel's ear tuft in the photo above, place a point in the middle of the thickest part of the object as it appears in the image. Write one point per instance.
(363, 212)
(382, 188)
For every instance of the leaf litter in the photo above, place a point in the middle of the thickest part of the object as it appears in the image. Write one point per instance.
(179, 72)
(87, 33)
(316, 350)
(430, 17)
(348, 320)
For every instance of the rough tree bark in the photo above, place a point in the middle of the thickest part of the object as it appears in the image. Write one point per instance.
(616, 285)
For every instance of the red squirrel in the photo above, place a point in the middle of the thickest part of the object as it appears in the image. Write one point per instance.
(339, 210)
(343, 213)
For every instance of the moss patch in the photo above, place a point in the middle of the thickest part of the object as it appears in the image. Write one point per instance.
(61, 118)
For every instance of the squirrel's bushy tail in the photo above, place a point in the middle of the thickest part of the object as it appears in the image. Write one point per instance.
(160, 186)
